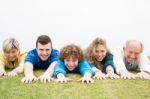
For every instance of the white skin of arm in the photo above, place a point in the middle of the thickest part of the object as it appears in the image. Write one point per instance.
(98, 73)
(47, 75)
(62, 79)
(28, 71)
(110, 73)
(2, 70)
(86, 78)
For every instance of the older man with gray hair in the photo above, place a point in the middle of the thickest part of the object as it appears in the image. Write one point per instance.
(130, 57)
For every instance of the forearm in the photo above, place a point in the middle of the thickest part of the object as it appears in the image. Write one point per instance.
(20, 68)
(2, 68)
(60, 75)
(28, 69)
(109, 69)
(95, 70)
(50, 69)
(87, 74)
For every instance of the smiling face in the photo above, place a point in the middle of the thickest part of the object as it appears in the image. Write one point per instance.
(12, 55)
(44, 51)
(99, 52)
(132, 51)
(71, 63)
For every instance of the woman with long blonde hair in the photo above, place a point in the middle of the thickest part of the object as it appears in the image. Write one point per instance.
(100, 59)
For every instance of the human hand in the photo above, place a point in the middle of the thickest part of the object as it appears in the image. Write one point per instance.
(99, 75)
(112, 75)
(62, 79)
(127, 75)
(143, 75)
(86, 78)
(12, 73)
(28, 79)
(45, 78)
(2, 72)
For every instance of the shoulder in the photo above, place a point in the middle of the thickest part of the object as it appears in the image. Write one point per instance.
(2, 56)
(32, 52)
(54, 51)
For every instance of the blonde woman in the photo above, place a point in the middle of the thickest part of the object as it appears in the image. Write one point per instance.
(11, 58)
(100, 59)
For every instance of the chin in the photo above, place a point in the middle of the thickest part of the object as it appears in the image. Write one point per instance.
(43, 59)
(71, 69)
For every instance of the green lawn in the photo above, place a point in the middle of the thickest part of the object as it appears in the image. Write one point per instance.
(12, 88)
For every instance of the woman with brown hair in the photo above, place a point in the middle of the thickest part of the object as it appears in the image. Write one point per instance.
(100, 59)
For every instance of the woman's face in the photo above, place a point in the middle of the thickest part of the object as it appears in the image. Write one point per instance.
(71, 63)
(100, 52)
(12, 55)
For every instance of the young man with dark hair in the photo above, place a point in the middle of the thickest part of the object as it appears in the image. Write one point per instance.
(43, 57)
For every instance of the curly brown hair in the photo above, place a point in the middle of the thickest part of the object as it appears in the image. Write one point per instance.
(89, 55)
(71, 50)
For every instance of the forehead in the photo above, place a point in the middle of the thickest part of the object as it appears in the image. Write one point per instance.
(100, 47)
(12, 50)
(71, 58)
(133, 49)
(46, 46)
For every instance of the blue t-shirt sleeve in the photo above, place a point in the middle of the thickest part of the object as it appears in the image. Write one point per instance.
(92, 65)
(85, 67)
(60, 68)
(54, 55)
(31, 57)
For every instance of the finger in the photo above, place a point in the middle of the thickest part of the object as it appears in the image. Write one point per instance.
(35, 79)
(26, 80)
(57, 81)
(51, 78)
(91, 80)
(45, 80)
(41, 79)
(100, 78)
(48, 79)
(82, 80)
(87, 81)
(16, 74)
(22, 80)
(61, 81)
(68, 79)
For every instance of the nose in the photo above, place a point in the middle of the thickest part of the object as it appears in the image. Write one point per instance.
(44, 52)
(132, 55)
(70, 64)
(10, 55)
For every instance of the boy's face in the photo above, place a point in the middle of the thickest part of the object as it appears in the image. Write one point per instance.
(12, 55)
(71, 63)
(44, 51)
(100, 52)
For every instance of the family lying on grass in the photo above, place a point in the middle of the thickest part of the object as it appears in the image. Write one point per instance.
(94, 62)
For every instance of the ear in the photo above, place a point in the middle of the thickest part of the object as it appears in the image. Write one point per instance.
(124, 48)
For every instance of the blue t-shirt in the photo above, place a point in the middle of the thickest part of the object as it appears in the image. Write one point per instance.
(82, 68)
(33, 58)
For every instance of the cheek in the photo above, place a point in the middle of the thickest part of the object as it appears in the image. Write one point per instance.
(76, 63)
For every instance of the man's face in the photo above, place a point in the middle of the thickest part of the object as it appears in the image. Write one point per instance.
(12, 55)
(132, 54)
(44, 51)
(100, 52)
(71, 63)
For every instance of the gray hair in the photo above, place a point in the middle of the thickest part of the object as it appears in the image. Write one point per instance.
(10, 43)
(134, 41)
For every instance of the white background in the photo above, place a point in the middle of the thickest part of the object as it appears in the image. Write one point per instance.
(75, 21)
